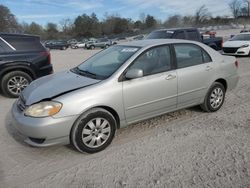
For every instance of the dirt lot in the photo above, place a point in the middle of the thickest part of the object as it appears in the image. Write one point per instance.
(188, 148)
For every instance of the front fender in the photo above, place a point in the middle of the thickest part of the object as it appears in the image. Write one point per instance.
(80, 101)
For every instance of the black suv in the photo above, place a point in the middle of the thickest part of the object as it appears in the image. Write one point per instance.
(22, 59)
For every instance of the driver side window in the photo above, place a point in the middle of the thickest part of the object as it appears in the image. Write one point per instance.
(153, 61)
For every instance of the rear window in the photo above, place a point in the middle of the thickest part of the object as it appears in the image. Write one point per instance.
(160, 35)
(4, 47)
(180, 35)
(193, 35)
(188, 55)
(1, 49)
(24, 43)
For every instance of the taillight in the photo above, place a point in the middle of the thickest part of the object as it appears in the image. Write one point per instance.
(236, 64)
(46, 54)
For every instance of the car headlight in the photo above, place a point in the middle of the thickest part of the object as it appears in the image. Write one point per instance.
(245, 46)
(43, 109)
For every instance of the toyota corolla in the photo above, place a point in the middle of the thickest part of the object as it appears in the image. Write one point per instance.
(121, 85)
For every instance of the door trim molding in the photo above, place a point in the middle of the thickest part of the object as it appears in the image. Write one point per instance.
(147, 103)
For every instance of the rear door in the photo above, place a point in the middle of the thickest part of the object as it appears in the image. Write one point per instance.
(156, 91)
(195, 70)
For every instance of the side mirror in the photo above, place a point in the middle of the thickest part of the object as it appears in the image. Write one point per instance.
(134, 73)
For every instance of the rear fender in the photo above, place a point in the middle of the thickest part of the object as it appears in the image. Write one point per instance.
(22, 66)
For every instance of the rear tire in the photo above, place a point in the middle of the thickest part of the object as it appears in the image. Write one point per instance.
(215, 98)
(93, 131)
(14, 82)
(92, 47)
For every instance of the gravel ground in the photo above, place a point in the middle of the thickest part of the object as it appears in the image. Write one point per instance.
(187, 148)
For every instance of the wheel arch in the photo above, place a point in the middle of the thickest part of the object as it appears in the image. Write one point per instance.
(18, 68)
(223, 82)
(113, 112)
(107, 108)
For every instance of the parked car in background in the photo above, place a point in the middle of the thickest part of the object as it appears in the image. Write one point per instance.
(117, 40)
(72, 42)
(239, 45)
(100, 43)
(188, 34)
(121, 85)
(139, 37)
(245, 31)
(90, 45)
(78, 45)
(22, 59)
(57, 44)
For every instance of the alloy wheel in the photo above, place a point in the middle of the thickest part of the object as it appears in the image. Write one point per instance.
(16, 84)
(96, 132)
(216, 97)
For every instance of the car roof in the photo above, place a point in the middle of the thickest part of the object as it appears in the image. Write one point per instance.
(154, 42)
(245, 33)
(176, 29)
(17, 35)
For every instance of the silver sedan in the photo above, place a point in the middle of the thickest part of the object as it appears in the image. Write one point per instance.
(121, 85)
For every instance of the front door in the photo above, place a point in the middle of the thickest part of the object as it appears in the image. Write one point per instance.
(156, 91)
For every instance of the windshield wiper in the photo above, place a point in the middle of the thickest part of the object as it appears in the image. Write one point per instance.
(87, 73)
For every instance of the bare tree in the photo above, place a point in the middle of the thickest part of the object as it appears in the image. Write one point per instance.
(66, 26)
(201, 15)
(235, 7)
(248, 7)
(8, 22)
(173, 21)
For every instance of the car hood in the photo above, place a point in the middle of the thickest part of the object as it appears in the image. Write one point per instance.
(235, 44)
(53, 85)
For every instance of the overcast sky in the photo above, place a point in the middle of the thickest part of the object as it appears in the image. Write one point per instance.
(43, 11)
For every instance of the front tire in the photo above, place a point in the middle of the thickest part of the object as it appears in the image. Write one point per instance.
(93, 131)
(14, 82)
(214, 98)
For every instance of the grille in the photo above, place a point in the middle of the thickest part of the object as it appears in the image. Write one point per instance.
(230, 50)
(21, 103)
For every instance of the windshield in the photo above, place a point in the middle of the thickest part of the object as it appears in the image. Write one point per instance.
(242, 37)
(160, 35)
(106, 62)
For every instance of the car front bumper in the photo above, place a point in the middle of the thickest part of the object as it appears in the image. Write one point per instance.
(239, 52)
(42, 132)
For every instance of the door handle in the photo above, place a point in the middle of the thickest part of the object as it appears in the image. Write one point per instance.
(170, 77)
(208, 68)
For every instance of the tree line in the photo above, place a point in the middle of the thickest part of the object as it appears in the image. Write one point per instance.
(114, 25)
(240, 8)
